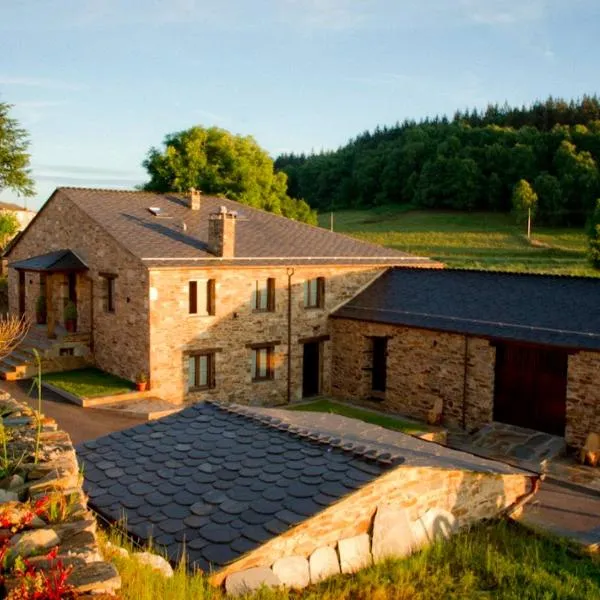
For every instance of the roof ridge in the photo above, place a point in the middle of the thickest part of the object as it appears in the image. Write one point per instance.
(362, 451)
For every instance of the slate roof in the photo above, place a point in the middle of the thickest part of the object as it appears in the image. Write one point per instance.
(261, 237)
(543, 309)
(52, 262)
(226, 479)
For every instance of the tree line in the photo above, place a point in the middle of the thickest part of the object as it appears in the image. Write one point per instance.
(472, 161)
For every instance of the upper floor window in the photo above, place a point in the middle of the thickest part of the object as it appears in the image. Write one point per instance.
(201, 371)
(201, 294)
(108, 280)
(263, 297)
(314, 293)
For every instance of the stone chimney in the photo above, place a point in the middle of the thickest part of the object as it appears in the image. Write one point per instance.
(221, 233)
(193, 199)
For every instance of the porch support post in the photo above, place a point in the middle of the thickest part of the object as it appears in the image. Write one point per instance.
(50, 316)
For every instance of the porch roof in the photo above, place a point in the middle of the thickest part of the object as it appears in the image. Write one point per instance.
(60, 261)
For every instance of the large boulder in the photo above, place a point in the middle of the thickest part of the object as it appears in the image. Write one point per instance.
(355, 553)
(158, 563)
(323, 563)
(250, 580)
(292, 571)
(392, 533)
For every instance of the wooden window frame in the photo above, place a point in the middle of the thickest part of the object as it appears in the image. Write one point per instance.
(270, 356)
(194, 288)
(270, 291)
(320, 293)
(109, 299)
(211, 371)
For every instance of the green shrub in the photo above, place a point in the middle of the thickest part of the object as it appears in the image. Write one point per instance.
(594, 236)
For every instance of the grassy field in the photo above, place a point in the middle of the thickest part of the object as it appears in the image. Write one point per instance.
(469, 240)
(344, 410)
(89, 383)
(496, 560)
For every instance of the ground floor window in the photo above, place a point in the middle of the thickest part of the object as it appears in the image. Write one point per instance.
(262, 363)
(201, 371)
(379, 366)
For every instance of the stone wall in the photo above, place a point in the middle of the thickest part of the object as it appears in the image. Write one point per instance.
(121, 340)
(583, 397)
(29, 530)
(467, 496)
(235, 325)
(422, 367)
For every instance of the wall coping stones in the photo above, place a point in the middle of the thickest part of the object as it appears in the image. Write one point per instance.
(292, 571)
(355, 553)
(323, 563)
(392, 533)
(250, 580)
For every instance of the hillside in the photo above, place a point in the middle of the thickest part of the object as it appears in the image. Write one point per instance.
(469, 162)
(480, 240)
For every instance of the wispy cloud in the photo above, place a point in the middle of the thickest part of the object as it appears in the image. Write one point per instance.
(40, 82)
(504, 12)
(326, 14)
(76, 170)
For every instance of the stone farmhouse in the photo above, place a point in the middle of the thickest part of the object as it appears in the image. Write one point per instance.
(515, 348)
(207, 297)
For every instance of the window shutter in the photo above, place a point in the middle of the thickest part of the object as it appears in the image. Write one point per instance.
(271, 294)
(210, 297)
(193, 296)
(321, 292)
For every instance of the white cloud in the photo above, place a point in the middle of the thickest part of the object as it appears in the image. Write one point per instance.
(504, 12)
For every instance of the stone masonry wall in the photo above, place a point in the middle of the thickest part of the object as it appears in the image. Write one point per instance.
(236, 324)
(121, 340)
(467, 495)
(422, 366)
(583, 397)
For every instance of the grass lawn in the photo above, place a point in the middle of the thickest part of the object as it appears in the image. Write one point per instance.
(89, 383)
(498, 560)
(478, 240)
(326, 406)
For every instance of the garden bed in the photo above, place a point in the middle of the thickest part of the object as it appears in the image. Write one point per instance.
(89, 383)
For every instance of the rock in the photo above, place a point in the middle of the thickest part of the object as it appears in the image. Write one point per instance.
(392, 533)
(31, 542)
(97, 577)
(67, 530)
(355, 553)
(8, 496)
(117, 550)
(250, 580)
(436, 523)
(15, 482)
(323, 563)
(292, 571)
(37, 523)
(158, 563)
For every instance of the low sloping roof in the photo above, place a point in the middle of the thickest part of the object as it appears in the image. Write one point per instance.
(261, 237)
(542, 309)
(226, 479)
(53, 262)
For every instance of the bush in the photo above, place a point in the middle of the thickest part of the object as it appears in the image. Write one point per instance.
(594, 236)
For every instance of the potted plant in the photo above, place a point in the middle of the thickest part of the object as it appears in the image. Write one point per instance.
(71, 317)
(141, 381)
(40, 310)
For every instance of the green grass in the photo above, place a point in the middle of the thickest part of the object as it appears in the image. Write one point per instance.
(477, 240)
(497, 560)
(344, 410)
(89, 383)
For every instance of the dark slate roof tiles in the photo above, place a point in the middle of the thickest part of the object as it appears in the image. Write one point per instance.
(542, 309)
(226, 498)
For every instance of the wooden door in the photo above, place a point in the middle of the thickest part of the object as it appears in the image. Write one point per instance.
(311, 369)
(379, 369)
(531, 387)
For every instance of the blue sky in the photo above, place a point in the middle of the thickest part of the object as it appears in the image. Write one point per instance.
(98, 82)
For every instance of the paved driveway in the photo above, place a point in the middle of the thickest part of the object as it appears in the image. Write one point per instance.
(80, 423)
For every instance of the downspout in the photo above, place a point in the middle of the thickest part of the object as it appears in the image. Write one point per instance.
(465, 374)
(290, 273)
(91, 315)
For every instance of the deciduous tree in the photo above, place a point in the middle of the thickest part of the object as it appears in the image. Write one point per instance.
(524, 201)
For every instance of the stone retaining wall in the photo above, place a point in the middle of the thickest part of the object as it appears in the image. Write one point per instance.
(32, 492)
(430, 500)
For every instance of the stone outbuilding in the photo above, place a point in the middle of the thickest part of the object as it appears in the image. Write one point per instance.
(521, 349)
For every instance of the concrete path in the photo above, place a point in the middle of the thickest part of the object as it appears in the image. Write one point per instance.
(566, 511)
(80, 423)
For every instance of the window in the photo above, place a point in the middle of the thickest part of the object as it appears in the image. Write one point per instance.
(379, 369)
(314, 293)
(201, 371)
(262, 363)
(109, 291)
(201, 296)
(263, 298)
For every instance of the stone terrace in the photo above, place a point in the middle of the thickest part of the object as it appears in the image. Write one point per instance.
(243, 488)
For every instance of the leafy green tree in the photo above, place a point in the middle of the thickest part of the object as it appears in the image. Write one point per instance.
(549, 192)
(594, 236)
(14, 157)
(524, 201)
(9, 225)
(220, 163)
